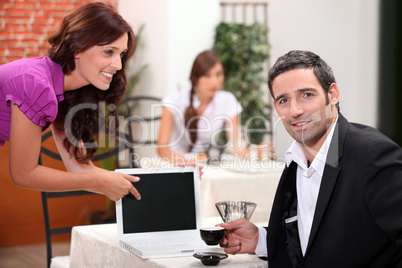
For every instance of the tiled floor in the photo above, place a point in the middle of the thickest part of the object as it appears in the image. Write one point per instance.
(30, 256)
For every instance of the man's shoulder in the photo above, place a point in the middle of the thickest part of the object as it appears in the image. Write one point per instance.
(365, 142)
(366, 133)
(360, 132)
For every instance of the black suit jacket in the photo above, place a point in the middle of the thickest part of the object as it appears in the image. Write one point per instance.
(358, 216)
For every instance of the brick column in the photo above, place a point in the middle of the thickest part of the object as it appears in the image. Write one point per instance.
(25, 25)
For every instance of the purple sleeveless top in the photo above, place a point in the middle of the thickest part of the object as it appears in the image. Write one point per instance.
(36, 86)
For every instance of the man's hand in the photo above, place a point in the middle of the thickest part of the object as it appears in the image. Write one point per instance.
(241, 236)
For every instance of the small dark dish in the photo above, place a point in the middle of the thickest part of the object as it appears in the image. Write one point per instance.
(212, 235)
(210, 258)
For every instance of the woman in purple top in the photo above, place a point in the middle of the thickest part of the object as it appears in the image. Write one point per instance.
(84, 68)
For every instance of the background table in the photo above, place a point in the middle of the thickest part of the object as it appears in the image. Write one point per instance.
(98, 246)
(245, 183)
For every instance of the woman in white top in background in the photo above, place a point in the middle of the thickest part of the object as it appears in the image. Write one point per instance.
(193, 119)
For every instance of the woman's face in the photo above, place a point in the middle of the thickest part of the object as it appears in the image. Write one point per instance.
(211, 82)
(98, 64)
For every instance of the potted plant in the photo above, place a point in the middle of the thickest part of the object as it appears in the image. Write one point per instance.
(243, 50)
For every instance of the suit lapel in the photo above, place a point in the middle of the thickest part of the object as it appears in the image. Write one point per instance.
(330, 176)
(289, 216)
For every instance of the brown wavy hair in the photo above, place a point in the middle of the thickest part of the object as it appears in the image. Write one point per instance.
(89, 25)
(202, 64)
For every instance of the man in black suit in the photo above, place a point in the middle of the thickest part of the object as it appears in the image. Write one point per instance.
(339, 200)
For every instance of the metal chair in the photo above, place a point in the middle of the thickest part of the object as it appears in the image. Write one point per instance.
(50, 231)
(62, 261)
(128, 109)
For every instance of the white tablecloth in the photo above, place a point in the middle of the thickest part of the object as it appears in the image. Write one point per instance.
(244, 183)
(98, 246)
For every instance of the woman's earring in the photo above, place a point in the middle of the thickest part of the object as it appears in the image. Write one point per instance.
(76, 55)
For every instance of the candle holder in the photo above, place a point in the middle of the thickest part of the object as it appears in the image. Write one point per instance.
(232, 210)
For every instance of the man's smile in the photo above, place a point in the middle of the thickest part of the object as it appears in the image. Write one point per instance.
(299, 124)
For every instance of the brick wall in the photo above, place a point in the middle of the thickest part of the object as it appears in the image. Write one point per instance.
(25, 25)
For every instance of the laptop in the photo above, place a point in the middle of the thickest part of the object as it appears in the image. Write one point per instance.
(167, 219)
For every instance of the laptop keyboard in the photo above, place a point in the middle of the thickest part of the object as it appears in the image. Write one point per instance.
(164, 240)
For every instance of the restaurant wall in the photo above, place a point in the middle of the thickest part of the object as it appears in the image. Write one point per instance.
(343, 32)
(175, 31)
(24, 29)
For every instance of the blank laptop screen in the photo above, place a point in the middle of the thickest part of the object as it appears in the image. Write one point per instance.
(167, 204)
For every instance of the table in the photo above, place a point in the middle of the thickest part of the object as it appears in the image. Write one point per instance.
(245, 183)
(98, 246)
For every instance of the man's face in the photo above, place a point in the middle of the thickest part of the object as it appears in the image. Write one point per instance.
(306, 112)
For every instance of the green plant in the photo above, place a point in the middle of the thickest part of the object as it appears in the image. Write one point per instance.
(243, 50)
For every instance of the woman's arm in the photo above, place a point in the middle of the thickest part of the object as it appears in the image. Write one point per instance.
(25, 143)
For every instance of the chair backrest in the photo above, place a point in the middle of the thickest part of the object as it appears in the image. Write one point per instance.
(139, 129)
(66, 228)
(50, 231)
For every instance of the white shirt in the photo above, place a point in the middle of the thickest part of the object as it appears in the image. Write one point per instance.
(308, 181)
(223, 107)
